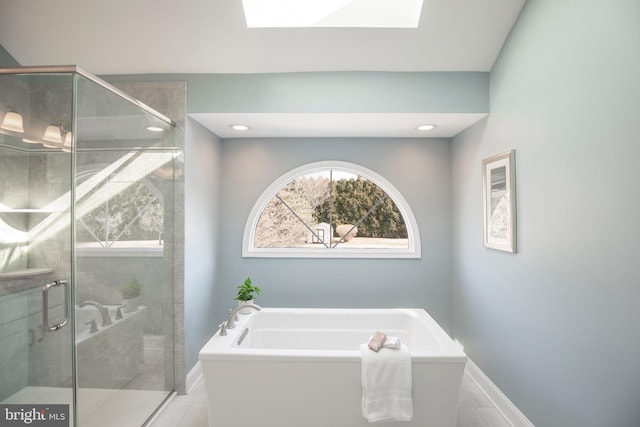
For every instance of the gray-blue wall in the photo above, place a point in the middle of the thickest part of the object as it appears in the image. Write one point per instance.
(332, 92)
(418, 168)
(202, 248)
(351, 92)
(555, 326)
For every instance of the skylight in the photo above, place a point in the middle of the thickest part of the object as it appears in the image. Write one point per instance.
(332, 13)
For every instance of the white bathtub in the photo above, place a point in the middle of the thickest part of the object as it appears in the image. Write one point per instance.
(301, 368)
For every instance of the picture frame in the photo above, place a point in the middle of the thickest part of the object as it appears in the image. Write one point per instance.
(499, 201)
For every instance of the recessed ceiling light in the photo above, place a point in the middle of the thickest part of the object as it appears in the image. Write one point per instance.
(155, 129)
(241, 128)
(426, 127)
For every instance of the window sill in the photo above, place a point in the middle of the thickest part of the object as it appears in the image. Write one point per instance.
(121, 252)
(332, 253)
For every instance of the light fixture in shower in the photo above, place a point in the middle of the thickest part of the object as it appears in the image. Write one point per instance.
(68, 139)
(239, 127)
(66, 145)
(56, 137)
(154, 129)
(53, 133)
(12, 121)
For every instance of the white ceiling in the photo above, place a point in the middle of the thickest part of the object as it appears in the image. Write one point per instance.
(210, 36)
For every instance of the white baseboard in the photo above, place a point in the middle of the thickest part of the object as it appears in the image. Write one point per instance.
(193, 376)
(502, 403)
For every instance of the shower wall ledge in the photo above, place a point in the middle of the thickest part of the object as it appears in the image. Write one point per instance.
(27, 272)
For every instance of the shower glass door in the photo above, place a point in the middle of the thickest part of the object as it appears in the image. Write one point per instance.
(36, 264)
(86, 251)
(123, 217)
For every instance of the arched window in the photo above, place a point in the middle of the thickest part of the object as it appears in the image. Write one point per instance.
(331, 210)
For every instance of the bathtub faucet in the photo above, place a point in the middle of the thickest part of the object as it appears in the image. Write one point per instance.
(104, 311)
(231, 320)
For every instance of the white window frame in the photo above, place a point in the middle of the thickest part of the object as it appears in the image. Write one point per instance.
(412, 251)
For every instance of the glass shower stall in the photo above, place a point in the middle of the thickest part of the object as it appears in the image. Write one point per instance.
(87, 179)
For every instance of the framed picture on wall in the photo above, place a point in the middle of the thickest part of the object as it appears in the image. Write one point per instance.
(499, 197)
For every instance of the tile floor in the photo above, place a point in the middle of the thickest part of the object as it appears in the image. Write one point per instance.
(474, 409)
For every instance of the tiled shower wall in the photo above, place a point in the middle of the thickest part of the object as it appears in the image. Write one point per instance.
(23, 342)
(31, 180)
(13, 185)
(170, 99)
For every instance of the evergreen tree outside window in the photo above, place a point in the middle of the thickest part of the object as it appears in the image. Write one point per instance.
(331, 209)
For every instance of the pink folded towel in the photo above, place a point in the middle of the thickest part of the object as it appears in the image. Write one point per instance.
(377, 341)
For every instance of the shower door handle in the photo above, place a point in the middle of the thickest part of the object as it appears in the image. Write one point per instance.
(45, 305)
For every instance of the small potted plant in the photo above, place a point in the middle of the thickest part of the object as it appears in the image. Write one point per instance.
(246, 294)
(130, 293)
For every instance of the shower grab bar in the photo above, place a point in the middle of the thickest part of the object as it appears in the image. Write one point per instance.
(45, 305)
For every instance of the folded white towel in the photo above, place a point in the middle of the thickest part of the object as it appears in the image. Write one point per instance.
(392, 342)
(386, 384)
